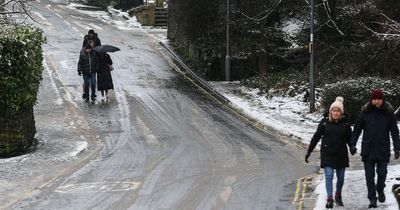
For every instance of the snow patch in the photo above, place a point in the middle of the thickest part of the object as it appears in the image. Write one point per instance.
(79, 147)
(355, 190)
(21, 158)
(287, 115)
(292, 27)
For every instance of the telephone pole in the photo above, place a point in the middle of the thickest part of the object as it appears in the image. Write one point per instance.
(227, 57)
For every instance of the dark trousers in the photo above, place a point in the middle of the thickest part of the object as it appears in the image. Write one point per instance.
(90, 81)
(381, 171)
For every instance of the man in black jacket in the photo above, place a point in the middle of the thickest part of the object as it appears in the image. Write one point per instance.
(88, 66)
(377, 121)
(91, 36)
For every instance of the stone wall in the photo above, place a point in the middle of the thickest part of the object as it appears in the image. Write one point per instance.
(17, 133)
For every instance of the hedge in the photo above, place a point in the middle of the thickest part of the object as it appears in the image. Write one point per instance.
(20, 67)
(356, 93)
(20, 75)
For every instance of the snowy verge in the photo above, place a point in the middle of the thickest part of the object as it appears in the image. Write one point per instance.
(289, 116)
(355, 193)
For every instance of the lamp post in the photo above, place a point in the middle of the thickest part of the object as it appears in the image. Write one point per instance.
(311, 51)
(227, 57)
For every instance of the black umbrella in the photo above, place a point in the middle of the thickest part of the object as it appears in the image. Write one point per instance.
(105, 48)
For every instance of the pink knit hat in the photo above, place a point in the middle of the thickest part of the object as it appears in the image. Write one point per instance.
(338, 104)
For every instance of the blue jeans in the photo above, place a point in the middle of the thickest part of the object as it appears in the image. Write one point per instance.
(329, 180)
(381, 171)
(90, 81)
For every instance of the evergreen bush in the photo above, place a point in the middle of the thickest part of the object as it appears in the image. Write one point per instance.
(357, 92)
(20, 75)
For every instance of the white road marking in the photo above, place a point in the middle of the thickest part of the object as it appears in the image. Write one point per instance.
(58, 100)
(61, 17)
(81, 25)
(227, 191)
(67, 96)
(67, 22)
(147, 134)
(65, 65)
(96, 27)
(98, 187)
(46, 22)
(75, 29)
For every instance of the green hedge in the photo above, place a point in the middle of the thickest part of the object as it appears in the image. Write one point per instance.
(20, 67)
(356, 93)
(20, 75)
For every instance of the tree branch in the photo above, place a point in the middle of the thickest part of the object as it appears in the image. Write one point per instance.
(14, 11)
(267, 12)
(328, 13)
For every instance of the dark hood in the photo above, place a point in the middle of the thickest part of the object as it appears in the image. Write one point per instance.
(386, 107)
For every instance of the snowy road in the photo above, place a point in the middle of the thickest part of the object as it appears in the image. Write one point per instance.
(164, 143)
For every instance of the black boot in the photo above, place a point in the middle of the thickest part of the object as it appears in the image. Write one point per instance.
(381, 196)
(85, 97)
(372, 203)
(338, 199)
(329, 203)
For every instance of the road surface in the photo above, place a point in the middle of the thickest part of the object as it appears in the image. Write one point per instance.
(164, 144)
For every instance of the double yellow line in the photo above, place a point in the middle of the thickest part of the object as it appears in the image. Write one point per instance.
(301, 188)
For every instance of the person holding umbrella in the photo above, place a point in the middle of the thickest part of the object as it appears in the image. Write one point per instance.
(104, 78)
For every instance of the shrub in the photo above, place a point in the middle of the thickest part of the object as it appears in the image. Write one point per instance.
(20, 75)
(285, 83)
(20, 67)
(356, 93)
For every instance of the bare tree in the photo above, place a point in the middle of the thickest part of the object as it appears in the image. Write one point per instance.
(389, 28)
(14, 12)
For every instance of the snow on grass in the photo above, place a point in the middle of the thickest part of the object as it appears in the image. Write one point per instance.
(287, 115)
(292, 28)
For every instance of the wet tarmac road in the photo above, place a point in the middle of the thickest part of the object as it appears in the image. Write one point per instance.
(164, 143)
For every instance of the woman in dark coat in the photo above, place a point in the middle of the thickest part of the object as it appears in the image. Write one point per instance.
(104, 79)
(336, 136)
